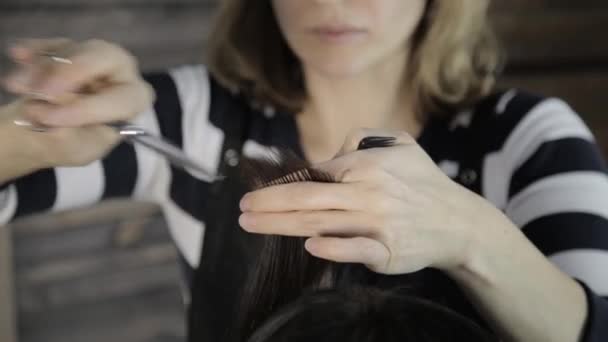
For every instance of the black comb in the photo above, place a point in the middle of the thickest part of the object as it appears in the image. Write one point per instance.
(284, 167)
(376, 142)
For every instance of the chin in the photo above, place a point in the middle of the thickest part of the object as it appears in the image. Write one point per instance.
(338, 67)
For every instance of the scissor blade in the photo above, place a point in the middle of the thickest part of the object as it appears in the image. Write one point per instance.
(175, 156)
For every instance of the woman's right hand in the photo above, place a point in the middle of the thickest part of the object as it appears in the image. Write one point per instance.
(100, 84)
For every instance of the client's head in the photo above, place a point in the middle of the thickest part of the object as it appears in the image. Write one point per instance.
(367, 315)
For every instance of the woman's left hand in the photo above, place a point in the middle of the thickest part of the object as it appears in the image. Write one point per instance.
(392, 209)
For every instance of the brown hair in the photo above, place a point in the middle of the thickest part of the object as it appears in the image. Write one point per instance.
(453, 63)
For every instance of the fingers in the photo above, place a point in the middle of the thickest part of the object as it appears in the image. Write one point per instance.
(89, 61)
(27, 54)
(362, 250)
(303, 196)
(27, 50)
(308, 223)
(112, 104)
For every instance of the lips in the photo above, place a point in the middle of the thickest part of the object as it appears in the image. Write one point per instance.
(338, 33)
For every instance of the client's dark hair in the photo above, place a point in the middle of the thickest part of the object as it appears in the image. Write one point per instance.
(367, 315)
(285, 271)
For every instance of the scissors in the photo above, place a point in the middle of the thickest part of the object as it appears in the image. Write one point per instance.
(175, 155)
(137, 135)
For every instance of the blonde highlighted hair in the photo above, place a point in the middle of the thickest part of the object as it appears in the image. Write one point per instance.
(453, 61)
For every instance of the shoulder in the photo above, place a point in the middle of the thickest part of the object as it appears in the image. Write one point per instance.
(526, 137)
(516, 118)
(192, 91)
(188, 86)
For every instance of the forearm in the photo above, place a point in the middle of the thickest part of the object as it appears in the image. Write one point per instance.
(16, 152)
(520, 292)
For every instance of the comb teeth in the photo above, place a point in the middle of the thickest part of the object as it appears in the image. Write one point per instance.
(302, 175)
(281, 167)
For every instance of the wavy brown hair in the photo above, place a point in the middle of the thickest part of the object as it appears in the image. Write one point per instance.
(453, 63)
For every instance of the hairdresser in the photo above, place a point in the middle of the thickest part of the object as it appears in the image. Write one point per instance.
(503, 192)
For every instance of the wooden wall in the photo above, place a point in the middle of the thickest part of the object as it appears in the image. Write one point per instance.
(558, 48)
(109, 273)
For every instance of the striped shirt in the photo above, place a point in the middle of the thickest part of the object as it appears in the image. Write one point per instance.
(532, 157)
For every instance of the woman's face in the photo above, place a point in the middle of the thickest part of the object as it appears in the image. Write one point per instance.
(342, 38)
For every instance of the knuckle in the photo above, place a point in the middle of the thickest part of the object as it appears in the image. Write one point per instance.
(403, 134)
(347, 176)
(360, 172)
(404, 137)
(350, 175)
(353, 138)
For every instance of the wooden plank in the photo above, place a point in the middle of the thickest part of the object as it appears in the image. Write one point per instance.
(113, 231)
(60, 270)
(543, 5)
(106, 212)
(554, 37)
(7, 291)
(89, 239)
(95, 230)
(147, 317)
(152, 35)
(584, 90)
(16, 5)
(92, 288)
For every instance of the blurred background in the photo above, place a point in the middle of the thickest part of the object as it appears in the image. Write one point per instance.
(109, 273)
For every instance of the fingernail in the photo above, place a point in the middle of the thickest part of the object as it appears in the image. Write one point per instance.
(246, 221)
(23, 123)
(30, 126)
(34, 95)
(245, 203)
(55, 58)
(310, 246)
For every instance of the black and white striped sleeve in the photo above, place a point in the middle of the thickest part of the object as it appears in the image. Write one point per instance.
(550, 179)
(61, 188)
(127, 171)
